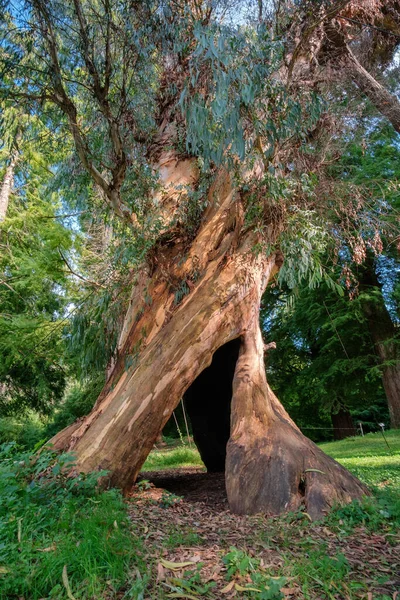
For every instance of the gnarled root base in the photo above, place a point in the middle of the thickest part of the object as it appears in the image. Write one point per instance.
(283, 471)
(271, 467)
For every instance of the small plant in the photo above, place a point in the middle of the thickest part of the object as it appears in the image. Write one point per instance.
(168, 499)
(190, 586)
(238, 563)
(263, 586)
(144, 484)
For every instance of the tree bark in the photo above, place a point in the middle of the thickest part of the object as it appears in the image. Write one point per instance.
(336, 51)
(7, 186)
(385, 338)
(343, 425)
(385, 102)
(204, 295)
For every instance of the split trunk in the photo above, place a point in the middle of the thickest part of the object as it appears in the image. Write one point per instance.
(192, 330)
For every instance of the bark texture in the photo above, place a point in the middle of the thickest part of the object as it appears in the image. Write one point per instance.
(270, 465)
(385, 102)
(337, 52)
(385, 338)
(205, 297)
(343, 425)
(7, 186)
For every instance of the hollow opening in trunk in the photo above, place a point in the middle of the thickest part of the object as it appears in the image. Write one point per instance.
(208, 404)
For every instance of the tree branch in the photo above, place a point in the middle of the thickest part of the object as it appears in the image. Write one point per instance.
(61, 98)
(70, 269)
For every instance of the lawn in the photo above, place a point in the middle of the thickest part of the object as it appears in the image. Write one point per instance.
(375, 461)
(63, 539)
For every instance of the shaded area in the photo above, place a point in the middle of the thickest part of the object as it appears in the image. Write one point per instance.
(193, 485)
(208, 404)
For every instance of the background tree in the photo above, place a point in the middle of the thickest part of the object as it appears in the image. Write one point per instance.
(32, 281)
(325, 368)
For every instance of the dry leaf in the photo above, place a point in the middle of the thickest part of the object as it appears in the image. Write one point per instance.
(66, 583)
(160, 572)
(48, 549)
(228, 588)
(175, 566)
(182, 595)
(240, 588)
(288, 591)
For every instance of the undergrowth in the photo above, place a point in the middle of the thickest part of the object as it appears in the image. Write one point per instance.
(62, 537)
(59, 535)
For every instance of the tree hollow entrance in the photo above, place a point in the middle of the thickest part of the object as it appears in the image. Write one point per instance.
(208, 404)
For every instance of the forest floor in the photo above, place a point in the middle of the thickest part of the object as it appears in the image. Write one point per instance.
(62, 538)
(201, 550)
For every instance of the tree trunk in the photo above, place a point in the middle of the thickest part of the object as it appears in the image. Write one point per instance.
(335, 47)
(205, 294)
(385, 102)
(343, 425)
(385, 338)
(7, 186)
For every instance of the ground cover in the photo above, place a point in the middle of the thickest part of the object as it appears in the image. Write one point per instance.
(175, 537)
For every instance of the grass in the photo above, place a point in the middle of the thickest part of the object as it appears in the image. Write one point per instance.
(59, 533)
(181, 456)
(368, 457)
(372, 444)
(62, 538)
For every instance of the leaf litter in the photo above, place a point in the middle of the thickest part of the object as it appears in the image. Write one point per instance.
(189, 535)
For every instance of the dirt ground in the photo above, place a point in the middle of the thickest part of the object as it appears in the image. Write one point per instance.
(184, 517)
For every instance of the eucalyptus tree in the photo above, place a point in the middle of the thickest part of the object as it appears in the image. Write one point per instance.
(188, 119)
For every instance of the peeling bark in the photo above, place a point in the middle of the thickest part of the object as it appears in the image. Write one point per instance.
(385, 102)
(271, 466)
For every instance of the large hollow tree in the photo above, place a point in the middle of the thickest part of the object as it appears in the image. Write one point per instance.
(183, 121)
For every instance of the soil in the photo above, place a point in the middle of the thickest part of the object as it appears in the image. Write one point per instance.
(184, 517)
(193, 485)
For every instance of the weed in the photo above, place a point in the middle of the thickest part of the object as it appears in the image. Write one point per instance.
(239, 563)
(168, 499)
(144, 484)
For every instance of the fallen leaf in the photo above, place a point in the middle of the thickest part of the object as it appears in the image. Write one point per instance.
(4, 570)
(181, 595)
(160, 572)
(175, 566)
(314, 471)
(228, 588)
(240, 588)
(288, 591)
(66, 583)
(48, 549)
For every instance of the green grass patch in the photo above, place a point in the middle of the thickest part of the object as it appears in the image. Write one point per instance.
(372, 444)
(182, 456)
(59, 532)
